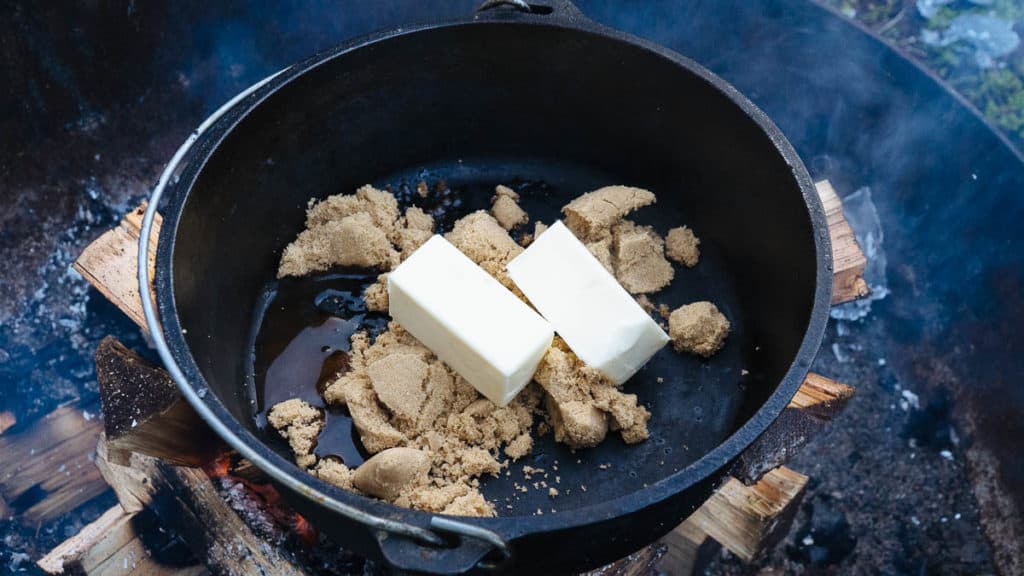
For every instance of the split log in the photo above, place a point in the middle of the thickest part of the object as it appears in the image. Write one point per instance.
(748, 519)
(111, 546)
(144, 412)
(848, 259)
(46, 467)
(110, 263)
(186, 502)
(743, 519)
(688, 549)
(766, 500)
(816, 403)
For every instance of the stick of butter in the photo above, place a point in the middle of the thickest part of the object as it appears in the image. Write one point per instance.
(466, 317)
(588, 307)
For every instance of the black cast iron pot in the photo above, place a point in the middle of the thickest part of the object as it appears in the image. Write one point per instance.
(502, 96)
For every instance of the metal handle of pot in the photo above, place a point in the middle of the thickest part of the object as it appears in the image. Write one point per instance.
(398, 539)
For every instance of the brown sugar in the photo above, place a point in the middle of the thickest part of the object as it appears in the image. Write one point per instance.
(352, 241)
(640, 264)
(698, 328)
(433, 436)
(387, 474)
(376, 295)
(400, 395)
(602, 250)
(582, 404)
(399, 381)
(645, 303)
(591, 216)
(362, 230)
(538, 229)
(381, 206)
(505, 208)
(634, 254)
(300, 424)
(683, 246)
(481, 237)
(333, 471)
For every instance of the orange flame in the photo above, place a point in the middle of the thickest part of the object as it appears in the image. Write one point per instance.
(219, 466)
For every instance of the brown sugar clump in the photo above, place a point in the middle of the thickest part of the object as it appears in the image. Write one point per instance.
(580, 401)
(602, 250)
(579, 424)
(683, 246)
(400, 395)
(369, 417)
(387, 474)
(505, 208)
(626, 414)
(634, 254)
(538, 229)
(300, 424)
(640, 263)
(592, 215)
(376, 295)
(333, 471)
(521, 446)
(417, 219)
(360, 230)
(398, 380)
(484, 241)
(481, 237)
(471, 503)
(381, 206)
(698, 328)
(454, 499)
(352, 241)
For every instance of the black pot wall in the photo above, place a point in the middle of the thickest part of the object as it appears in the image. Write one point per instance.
(467, 99)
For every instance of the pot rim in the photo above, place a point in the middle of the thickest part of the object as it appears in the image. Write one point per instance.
(185, 371)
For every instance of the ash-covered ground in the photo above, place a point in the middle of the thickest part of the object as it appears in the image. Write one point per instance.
(889, 492)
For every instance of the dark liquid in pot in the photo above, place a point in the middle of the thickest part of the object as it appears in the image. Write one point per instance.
(303, 341)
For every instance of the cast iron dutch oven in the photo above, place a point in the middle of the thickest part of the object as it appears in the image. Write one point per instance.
(511, 94)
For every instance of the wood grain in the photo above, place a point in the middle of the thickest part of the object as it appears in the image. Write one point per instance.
(110, 263)
(186, 501)
(45, 467)
(746, 519)
(848, 260)
(110, 546)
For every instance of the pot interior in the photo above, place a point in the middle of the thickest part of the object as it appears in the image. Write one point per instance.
(567, 111)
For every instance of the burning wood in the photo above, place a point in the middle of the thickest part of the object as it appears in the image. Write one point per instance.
(187, 501)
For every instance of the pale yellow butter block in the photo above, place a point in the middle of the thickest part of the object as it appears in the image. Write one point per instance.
(466, 317)
(587, 306)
